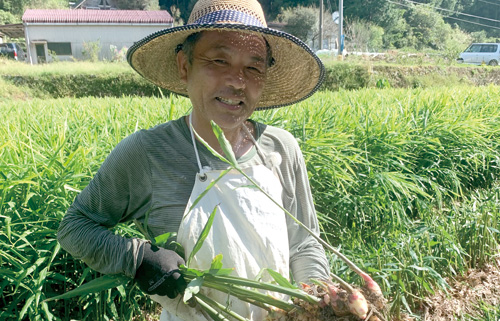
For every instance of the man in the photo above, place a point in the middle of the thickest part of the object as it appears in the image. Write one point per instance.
(229, 64)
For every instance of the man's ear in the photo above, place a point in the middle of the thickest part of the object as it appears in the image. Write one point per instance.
(182, 65)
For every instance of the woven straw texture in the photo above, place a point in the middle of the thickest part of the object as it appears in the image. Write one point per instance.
(296, 74)
(204, 7)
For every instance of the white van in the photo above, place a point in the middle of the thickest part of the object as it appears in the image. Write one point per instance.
(481, 53)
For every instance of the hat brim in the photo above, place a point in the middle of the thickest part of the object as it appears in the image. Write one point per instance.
(296, 74)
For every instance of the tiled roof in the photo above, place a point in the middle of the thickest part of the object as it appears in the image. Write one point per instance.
(96, 16)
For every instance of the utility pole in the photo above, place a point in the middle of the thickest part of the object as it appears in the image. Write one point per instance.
(320, 24)
(341, 23)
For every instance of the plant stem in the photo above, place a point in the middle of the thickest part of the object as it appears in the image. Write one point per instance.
(343, 283)
(221, 307)
(214, 314)
(250, 296)
(264, 286)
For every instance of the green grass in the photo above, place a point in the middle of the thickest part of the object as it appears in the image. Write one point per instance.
(404, 181)
(71, 79)
(489, 313)
(49, 150)
(9, 67)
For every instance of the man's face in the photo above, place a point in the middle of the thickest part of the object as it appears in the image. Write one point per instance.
(226, 77)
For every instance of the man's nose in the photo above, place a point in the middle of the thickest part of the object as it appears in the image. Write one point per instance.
(236, 78)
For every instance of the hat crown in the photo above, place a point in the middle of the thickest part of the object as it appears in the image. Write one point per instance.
(248, 12)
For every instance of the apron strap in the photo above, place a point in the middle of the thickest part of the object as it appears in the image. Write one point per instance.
(194, 142)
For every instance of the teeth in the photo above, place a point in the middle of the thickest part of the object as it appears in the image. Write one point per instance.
(229, 101)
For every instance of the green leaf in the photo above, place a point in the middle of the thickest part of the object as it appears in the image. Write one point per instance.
(280, 279)
(121, 290)
(216, 267)
(492, 229)
(192, 288)
(213, 151)
(57, 248)
(146, 227)
(186, 271)
(25, 307)
(216, 262)
(221, 272)
(140, 228)
(6, 272)
(97, 285)
(7, 226)
(46, 311)
(203, 235)
(161, 240)
(177, 248)
(224, 144)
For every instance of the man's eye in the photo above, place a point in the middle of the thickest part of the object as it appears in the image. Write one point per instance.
(220, 61)
(255, 70)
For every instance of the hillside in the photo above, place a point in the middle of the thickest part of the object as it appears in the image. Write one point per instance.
(81, 79)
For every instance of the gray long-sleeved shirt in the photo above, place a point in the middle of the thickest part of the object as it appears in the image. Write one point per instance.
(154, 171)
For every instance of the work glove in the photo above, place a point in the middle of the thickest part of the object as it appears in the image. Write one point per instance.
(159, 272)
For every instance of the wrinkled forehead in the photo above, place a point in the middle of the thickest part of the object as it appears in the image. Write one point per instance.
(236, 42)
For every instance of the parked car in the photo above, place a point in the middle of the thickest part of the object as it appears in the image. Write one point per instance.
(12, 50)
(481, 53)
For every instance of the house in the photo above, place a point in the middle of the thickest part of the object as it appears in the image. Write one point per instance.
(63, 34)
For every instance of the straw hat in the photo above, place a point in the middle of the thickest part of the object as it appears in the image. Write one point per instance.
(295, 75)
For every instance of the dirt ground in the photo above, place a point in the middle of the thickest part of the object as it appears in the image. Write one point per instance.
(466, 294)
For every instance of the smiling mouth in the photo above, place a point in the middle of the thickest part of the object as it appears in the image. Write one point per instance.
(229, 101)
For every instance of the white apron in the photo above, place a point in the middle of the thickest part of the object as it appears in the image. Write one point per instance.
(249, 230)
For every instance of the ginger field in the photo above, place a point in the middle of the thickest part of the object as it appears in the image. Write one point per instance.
(405, 183)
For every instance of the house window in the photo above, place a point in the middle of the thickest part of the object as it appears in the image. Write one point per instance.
(60, 48)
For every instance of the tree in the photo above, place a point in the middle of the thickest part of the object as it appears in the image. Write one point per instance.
(8, 18)
(369, 10)
(381, 13)
(137, 4)
(17, 7)
(456, 42)
(48, 4)
(303, 22)
(176, 15)
(363, 36)
(184, 6)
(426, 28)
(300, 21)
(272, 8)
(395, 29)
(485, 9)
